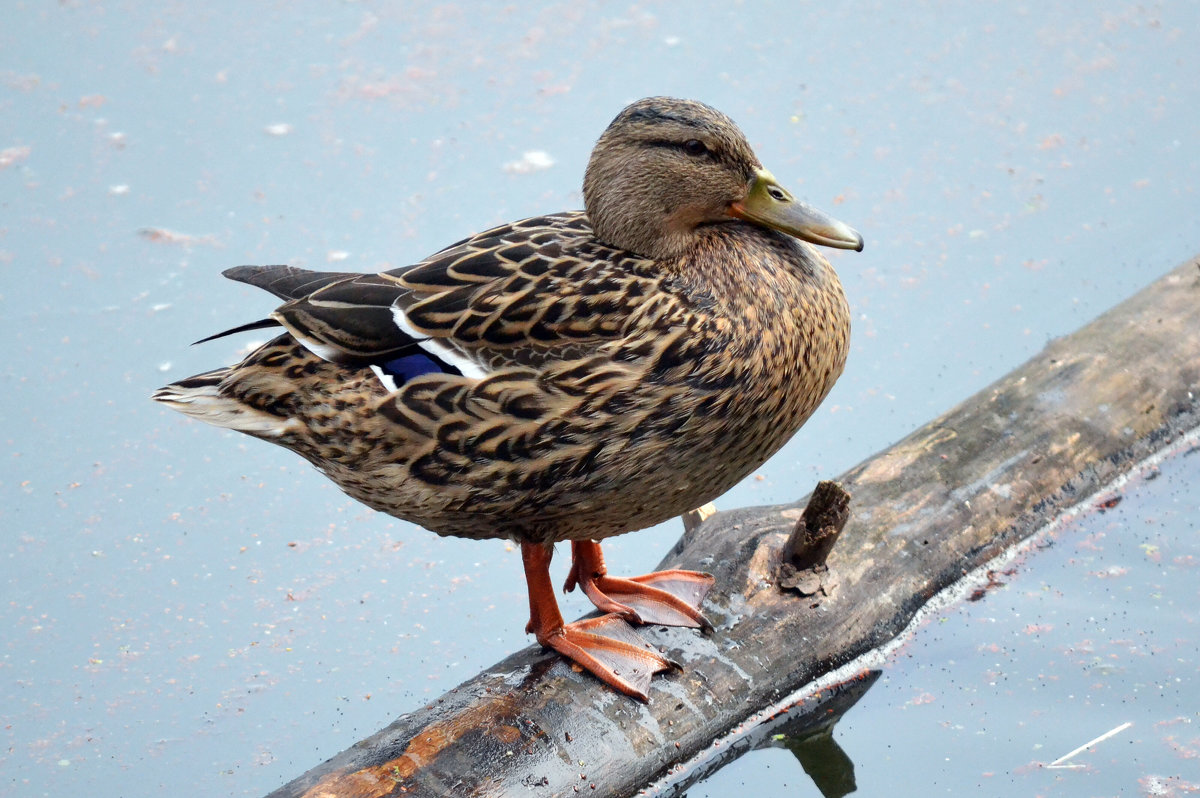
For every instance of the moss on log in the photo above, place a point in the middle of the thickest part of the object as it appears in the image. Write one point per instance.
(941, 502)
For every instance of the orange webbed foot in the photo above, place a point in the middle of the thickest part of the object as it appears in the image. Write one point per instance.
(608, 648)
(669, 598)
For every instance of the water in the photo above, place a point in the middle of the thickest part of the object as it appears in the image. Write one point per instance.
(1092, 630)
(184, 604)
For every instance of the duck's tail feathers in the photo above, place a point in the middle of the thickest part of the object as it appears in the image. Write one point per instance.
(201, 397)
(285, 282)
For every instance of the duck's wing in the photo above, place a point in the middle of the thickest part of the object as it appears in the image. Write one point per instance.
(525, 293)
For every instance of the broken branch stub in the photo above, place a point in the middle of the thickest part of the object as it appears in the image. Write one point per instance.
(802, 563)
(818, 528)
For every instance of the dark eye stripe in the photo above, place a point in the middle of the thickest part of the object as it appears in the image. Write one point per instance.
(682, 146)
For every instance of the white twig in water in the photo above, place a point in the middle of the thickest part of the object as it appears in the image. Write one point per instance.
(1059, 763)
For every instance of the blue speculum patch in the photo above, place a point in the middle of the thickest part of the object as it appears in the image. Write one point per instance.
(405, 368)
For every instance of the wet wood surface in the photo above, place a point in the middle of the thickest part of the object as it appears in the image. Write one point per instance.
(949, 497)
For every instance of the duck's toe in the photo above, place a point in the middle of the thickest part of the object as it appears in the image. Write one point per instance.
(610, 649)
(668, 598)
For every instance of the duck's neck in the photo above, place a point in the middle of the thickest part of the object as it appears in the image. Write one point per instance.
(628, 213)
(747, 266)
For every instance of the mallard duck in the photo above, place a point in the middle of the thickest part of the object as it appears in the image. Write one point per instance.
(566, 377)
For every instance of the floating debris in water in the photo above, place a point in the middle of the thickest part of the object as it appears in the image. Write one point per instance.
(12, 155)
(161, 235)
(532, 161)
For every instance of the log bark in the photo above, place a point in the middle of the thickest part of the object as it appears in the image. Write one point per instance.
(943, 501)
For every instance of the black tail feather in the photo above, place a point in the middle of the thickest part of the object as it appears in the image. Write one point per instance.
(285, 282)
(262, 324)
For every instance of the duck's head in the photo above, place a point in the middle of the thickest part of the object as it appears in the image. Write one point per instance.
(665, 167)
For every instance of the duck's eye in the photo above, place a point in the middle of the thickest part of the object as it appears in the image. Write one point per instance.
(695, 147)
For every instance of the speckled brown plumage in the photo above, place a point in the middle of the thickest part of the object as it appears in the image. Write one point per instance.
(578, 382)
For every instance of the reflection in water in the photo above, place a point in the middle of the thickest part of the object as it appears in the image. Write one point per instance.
(805, 728)
(823, 760)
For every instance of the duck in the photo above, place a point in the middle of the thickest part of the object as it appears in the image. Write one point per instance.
(566, 377)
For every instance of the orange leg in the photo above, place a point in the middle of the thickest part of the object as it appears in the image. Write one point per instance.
(606, 646)
(669, 598)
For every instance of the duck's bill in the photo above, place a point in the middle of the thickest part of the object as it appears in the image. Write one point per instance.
(771, 205)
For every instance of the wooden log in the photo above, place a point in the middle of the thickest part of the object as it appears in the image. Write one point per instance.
(941, 502)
